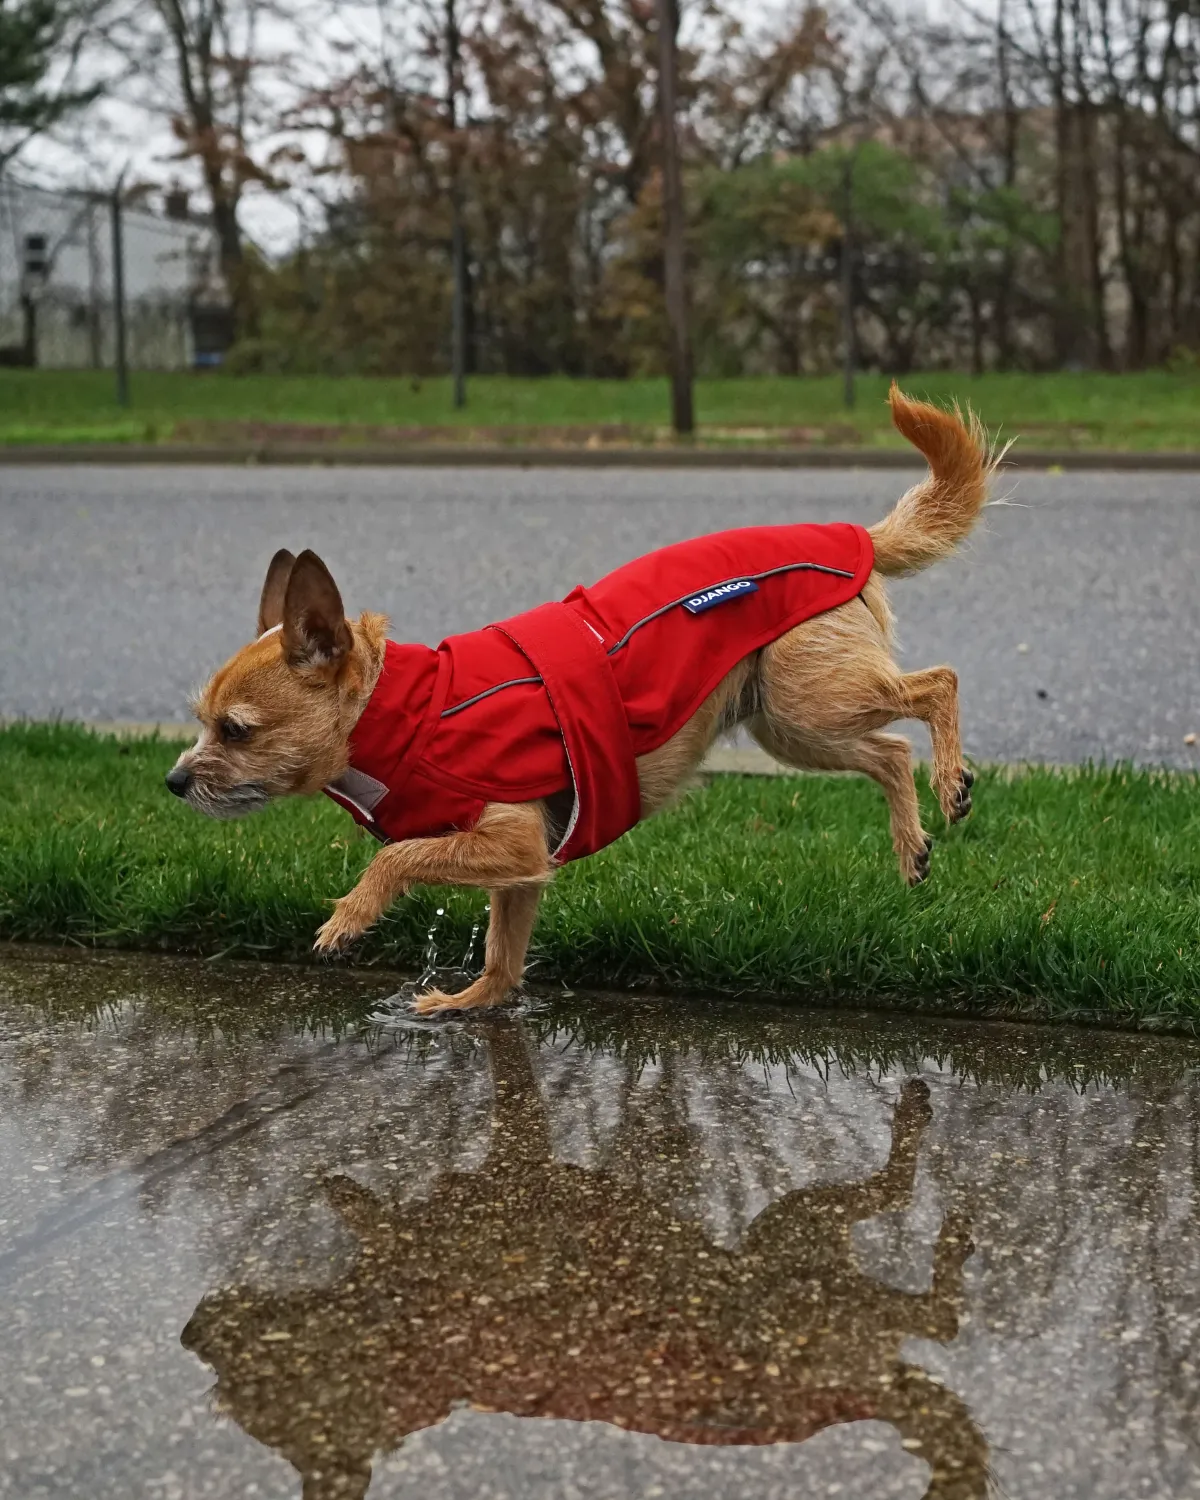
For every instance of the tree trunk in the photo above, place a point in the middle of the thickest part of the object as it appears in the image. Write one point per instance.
(229, 252)
(1090, 184)
(1003, 307)
(1081, 333)
(1069, 314)
(28, 331)
(976, 331)
(787, 337)
(674, 262)
(849, 338)
(458, 249)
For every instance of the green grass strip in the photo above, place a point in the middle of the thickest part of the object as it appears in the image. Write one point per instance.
(1145, 410)
(1069, 895)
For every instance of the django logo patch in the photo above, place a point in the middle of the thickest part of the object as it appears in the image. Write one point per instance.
(721, 594)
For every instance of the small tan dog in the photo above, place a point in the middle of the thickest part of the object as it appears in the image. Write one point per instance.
(278, 717)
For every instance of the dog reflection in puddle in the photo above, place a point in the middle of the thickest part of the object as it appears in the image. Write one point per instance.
(543, 1289)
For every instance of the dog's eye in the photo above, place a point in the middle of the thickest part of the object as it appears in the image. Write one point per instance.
(232, 730)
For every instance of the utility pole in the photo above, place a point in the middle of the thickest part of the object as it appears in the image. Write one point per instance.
(118, 281)
(849, 351)
(458, 254)
(674, 264)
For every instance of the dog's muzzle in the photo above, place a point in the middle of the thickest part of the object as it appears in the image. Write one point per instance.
(227, 802)
(179, 780)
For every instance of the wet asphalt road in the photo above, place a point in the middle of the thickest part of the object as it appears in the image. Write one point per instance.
(709, 1252)
(1071, 618)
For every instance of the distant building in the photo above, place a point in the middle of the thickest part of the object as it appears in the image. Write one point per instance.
(56, 283)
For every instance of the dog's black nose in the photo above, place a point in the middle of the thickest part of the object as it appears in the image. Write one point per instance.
(179, 780)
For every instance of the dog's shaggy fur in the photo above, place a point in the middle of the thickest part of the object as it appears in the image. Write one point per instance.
(278, 716)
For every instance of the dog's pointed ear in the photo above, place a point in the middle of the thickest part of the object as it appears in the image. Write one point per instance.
(315, 633)
(270, 605)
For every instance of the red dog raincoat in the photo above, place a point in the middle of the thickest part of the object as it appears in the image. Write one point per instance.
(566, 696)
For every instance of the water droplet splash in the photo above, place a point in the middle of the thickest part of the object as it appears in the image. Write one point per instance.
(468, 963)
(397, 1009)
(429, 960)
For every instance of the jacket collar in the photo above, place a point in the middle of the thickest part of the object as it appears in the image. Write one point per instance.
(391, 731)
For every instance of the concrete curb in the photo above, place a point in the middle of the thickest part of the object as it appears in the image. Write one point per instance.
(507, 456)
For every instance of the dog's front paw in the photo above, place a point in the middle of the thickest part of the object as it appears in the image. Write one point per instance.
(433, 1001)
(486, 990)
(336, 935)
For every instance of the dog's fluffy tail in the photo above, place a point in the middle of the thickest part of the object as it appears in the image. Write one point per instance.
(935, 515)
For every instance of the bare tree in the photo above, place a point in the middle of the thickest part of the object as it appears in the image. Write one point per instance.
(199, 64)
(1027, 190)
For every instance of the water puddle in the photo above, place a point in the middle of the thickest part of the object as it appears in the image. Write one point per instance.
(260, 1236)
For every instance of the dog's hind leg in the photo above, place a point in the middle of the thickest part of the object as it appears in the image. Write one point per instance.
(885, 758)
(830, 685)
(932, 696)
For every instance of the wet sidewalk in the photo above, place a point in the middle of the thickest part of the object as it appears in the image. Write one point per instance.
(252, 1244)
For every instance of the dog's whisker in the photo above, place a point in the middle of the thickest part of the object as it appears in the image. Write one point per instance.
(234, 802)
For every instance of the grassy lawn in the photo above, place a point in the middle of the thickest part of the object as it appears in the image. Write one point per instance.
(1064, 896)
(1149, 410)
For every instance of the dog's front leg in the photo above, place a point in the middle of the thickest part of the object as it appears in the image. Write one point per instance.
(510, 926)
(507, 847)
